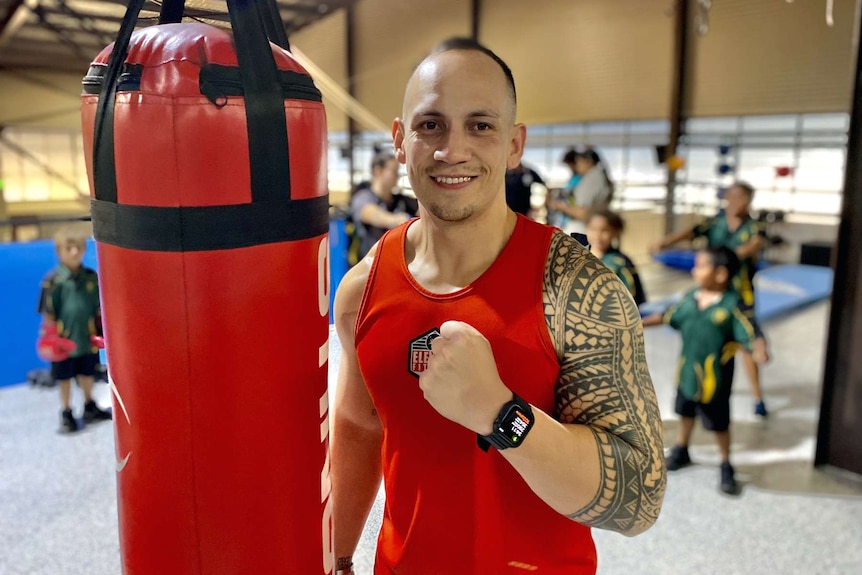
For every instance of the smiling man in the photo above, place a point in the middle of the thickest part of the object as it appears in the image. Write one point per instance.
(493, 371)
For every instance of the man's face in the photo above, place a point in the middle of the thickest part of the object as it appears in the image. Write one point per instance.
(71, 253)
(457, 135)
(387, 175)
(738, 201)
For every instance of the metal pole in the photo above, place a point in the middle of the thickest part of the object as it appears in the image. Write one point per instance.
(676, 105)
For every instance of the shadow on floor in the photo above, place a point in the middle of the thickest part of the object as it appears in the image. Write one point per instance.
(777, 453)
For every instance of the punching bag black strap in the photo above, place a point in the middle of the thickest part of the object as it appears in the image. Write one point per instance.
(274, 26)
(172, 11)
(104, 174)
(264, 104)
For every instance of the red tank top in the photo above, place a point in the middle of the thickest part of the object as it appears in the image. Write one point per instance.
(452, 509)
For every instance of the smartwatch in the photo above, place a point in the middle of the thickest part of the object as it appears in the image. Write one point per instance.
(511, 427)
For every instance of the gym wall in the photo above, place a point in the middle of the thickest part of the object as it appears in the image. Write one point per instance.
(584, 61)
(768, 57)
(325, 44)
(392, 37)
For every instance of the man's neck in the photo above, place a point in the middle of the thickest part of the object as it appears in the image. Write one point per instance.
(445, 257)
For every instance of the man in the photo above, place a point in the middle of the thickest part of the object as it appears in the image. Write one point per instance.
(374, 206)
(519, 188)
(492, 369)
(734, 228)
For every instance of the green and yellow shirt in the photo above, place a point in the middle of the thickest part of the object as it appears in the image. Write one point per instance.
(718, 234)
(621, 265)
(73, 301)
(710, 339)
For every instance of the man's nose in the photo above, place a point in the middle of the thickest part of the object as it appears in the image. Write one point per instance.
(454, 148)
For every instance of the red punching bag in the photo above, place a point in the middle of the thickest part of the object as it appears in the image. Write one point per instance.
(206, 152)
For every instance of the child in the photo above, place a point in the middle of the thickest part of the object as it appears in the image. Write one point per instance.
(733, 227)
(713, 324)
(603, 232)
(69, 305)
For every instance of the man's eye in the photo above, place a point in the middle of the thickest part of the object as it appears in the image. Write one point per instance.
(483, 126)
(429, 125)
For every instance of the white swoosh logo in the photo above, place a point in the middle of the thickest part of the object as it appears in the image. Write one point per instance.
(122, 463)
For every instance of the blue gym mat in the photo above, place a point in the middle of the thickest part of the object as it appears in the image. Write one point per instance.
(778, 289)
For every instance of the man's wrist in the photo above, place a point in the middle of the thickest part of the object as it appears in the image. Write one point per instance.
(344, 566)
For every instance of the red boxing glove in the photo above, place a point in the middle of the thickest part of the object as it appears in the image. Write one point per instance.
(97, 341)
(51, 347)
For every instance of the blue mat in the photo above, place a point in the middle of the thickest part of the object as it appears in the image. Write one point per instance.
(778, 290)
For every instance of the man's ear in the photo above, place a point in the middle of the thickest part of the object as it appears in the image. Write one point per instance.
(398, 140)
(516, 146)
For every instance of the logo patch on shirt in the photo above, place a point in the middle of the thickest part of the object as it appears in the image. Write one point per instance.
(719, 316)
(420, 351)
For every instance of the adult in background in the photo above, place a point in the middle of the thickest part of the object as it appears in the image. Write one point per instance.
(374, 205)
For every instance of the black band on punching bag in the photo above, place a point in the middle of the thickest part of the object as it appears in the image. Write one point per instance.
(202, 228)
(272, 216)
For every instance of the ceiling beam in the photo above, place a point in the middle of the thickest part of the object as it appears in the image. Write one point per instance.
(14, 18)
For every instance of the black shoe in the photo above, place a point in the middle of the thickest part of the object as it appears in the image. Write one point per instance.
(728, 482)
(760, 409)
(68, 423)
(678, 458)
(93, 413)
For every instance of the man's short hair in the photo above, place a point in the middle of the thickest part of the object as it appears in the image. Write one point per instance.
(380, 160)
(469, 44)
(746, 187)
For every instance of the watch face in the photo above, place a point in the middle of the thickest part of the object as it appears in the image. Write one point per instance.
(515, 424)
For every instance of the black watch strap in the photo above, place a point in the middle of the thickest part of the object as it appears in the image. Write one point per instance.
(511, 426)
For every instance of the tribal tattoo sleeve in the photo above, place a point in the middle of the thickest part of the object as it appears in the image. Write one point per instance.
(605, 385)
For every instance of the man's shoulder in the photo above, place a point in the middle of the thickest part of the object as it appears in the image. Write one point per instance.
(572, 269)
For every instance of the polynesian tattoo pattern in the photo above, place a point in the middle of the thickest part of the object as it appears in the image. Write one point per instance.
(605, 384)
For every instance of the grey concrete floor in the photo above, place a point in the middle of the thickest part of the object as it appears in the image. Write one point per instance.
(58, 493)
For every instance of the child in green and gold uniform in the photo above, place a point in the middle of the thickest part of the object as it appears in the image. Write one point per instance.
(603, 232)
(69, 304)
(713, 325)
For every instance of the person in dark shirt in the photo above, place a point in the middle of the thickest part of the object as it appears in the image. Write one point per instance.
(376, 207)
(519, 183)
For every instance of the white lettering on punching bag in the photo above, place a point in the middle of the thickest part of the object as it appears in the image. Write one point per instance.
(322, 358)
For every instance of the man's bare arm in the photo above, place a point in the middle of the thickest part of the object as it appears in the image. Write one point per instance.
(356, 429)
(599, 459)
(605, 385)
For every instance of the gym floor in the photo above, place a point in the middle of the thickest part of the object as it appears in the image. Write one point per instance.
(58, 511)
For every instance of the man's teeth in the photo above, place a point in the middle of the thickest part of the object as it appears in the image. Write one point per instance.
(460, 180)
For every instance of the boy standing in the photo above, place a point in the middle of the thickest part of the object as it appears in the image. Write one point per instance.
(69, 304)
(734, 228)
(713, 325)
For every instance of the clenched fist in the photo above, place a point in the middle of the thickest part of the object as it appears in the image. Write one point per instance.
(462, 382)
